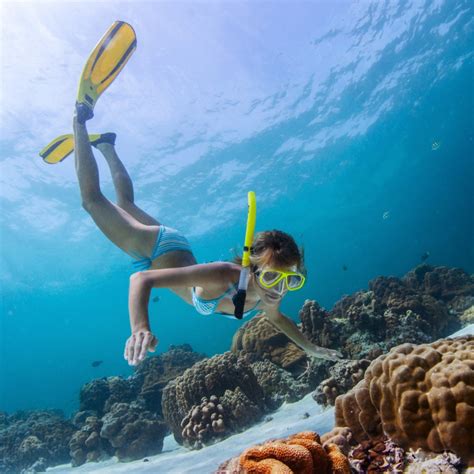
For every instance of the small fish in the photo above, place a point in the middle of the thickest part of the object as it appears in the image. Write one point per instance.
(344, 268)
(156, 299)
(96, 363)
(425, 256)
(435, 145)
(386, 215)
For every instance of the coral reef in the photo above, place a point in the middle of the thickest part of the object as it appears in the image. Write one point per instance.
(442, 283)
(467, 316)
(317, 325)
(86, 444)
(100, 394)
(301, 453)
(146, 385)
(205, 423)
(154, 373)
(133, 431)
(421, 396)
(377, 455)
(344, 375)
(27, 436)
(423, 305)
(278, 384)
(426, 463)
(224, 376)
(93, 396)
(259, 339)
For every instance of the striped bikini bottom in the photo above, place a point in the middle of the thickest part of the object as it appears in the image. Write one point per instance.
(167, 240)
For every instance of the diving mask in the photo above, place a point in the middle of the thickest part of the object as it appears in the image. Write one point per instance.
(270, 278)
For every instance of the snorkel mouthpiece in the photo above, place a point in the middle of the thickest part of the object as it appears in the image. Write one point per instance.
(239, 298)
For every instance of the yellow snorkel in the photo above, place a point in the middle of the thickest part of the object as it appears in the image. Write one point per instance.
(239, 298)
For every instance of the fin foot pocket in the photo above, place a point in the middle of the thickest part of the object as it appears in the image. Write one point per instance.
(104, 138)
(83, 113)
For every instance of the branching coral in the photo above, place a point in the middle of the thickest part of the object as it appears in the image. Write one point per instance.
(204, 423)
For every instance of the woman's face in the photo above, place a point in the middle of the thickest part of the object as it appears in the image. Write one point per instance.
(271, 296)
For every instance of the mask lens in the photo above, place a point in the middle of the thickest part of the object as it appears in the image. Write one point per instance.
(294, 281)
(270, 277)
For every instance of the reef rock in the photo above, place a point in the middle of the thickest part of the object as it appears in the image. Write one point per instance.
(87, 445)
(261, 340)
(133, 431)
(318, 327)
(344, 375)
(26, 437)
(442, 283)
(154, 373)
(225, 376)
(300, 453)
(421, 396)
(278, 385)
(100, 394)
(422, 306)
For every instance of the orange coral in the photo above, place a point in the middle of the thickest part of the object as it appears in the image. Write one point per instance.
(337, 460)
(422, 396)
(301, 453)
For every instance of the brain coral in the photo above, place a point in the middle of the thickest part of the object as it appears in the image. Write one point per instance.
(421, 396)
(301, 453)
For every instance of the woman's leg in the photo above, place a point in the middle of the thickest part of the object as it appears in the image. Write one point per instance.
(118, 225)
(123, 185)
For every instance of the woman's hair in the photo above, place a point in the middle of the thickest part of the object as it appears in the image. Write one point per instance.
(274, 248)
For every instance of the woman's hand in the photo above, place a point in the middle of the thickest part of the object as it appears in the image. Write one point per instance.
(137, 346)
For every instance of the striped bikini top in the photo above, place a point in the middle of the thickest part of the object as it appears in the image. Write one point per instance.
(208, 307)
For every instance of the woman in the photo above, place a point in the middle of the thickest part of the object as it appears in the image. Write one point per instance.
(275, 258)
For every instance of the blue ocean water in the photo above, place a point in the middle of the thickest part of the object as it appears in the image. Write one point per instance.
(352, 121)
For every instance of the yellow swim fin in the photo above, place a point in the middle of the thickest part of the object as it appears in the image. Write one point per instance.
(58, 149)
(62, 146)
(104, 64)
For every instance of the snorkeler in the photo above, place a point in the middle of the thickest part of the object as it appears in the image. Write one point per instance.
(164, 258)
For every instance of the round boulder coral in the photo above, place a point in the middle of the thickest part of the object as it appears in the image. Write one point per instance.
(133, 431)
(261, 340)
(421, 396)
(87, 445)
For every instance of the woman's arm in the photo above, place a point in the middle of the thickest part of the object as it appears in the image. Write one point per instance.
(140, 287)
(287, 326)
(141, 284)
